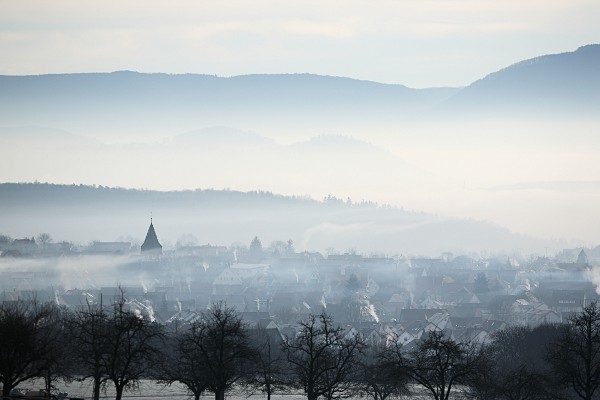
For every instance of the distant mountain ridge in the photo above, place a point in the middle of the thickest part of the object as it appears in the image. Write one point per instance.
(134, 101)
(209, 157)
(567, 81)
(126, 101)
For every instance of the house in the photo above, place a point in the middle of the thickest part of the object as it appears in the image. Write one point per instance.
(457, 323)
(236, 301)
(398, 302)
(431, 302)
(228, 282)
(462, 296)
(415, 314)
(115, 248)
(143, 309)
(493, 325)
(415, 330)
(181, 319)
(374, 339)
(544, 316)
(203, 251)
(533, 312)
(571, 301)
(23, 247)
(254, 317)
(265, 331)
(437, 322)
(349, 333)
(412, 331)
(475, 335)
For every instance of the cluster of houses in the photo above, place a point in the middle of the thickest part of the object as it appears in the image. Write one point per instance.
(381, 298)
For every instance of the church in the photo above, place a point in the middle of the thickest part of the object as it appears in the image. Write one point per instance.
(151, 246)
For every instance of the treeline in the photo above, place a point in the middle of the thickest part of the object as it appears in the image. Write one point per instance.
(49, 193)
(46, 193)
(113, 346)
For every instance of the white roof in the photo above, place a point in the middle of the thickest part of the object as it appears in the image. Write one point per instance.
(248, 266)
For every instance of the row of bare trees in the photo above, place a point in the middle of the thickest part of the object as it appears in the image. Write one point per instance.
(106, 344)
(113, 346)
(27, 343)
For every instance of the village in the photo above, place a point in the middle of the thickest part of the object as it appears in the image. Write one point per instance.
(379, 297)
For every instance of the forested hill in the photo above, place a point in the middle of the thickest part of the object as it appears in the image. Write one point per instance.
(84, 213)
(567, 82)
(53, 195)
(131, 102)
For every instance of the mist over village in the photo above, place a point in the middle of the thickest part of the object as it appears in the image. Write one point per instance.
(283, 201)
(275, 282)
(195, 319)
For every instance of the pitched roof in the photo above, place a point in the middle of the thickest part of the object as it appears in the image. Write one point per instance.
(151, 241)
(582, 258)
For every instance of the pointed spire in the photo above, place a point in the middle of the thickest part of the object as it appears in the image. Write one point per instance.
(582, 258)
(151, 244)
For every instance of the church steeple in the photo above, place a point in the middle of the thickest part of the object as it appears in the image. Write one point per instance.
(151, 245)
(582, 258)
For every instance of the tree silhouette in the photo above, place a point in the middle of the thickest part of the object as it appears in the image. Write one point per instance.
(268, 375)
(26, 348)
(352, 285)
(43, 239)
(438, 364)
(514, 367)
(57, 361)
(183, 364)
(89, 336)
(323, 361)
(132, 345)
(255, 251)
(381, 376)
(218, 350)
(575, 356)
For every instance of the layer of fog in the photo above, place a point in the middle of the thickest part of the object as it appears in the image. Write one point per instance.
(78, 272)
(451, 168)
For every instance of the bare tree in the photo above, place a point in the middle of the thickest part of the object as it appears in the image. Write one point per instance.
(132, 345)
(575, 356)
(218, 351)
(57, 361)
(88, 330)
(438, 364)
(323, 361)
(25, 348)
(268, 373)
(43, 239)
(381, 377)
(514, 367)
(182, 363)
(482, 384)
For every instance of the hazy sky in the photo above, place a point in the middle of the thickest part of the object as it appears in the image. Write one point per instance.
(419, 43)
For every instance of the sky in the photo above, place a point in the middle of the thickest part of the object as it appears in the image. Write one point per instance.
(417, 43)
